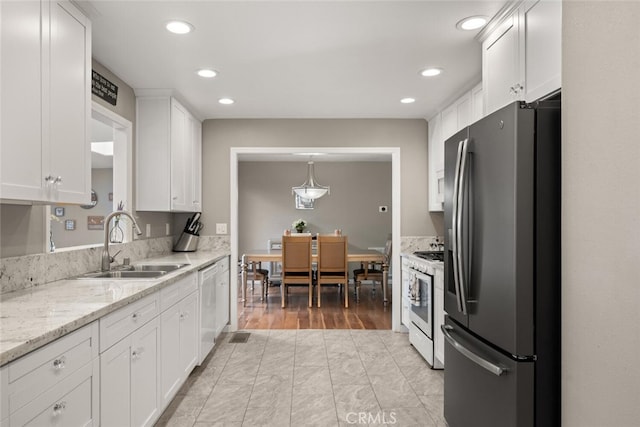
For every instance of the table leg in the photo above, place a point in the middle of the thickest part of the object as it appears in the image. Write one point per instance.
(244, 281)
(385, 282)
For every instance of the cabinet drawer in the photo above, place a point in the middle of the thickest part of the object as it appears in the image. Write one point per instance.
(69, 403)
(43, 368)
(177, 291)
(121, 323)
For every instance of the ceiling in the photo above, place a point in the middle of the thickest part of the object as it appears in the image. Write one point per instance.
(294, 59)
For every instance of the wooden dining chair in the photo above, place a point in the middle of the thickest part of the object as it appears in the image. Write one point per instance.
(333, 267)
(255, 272)
(371, 272)
(296, 264)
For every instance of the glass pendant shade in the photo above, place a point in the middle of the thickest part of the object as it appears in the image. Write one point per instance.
(311, 189)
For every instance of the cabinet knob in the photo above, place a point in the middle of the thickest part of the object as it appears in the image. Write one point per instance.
(48, 179)
(135, 316)
(59, 363)
(58, 180)
(59, 408)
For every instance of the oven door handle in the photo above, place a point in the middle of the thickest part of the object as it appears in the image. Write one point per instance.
(478, 360)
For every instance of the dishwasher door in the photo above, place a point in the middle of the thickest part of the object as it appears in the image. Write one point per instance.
(207, 289)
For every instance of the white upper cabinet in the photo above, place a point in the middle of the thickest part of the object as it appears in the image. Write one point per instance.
(543, 47)
(464, 111)
(521, 57)
(46, 102)
(168, 157)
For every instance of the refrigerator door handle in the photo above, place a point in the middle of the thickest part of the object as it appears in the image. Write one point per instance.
(459, 234)
(455, 231)
(484, 363)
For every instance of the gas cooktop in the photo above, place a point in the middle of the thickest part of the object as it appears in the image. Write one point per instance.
(430, 255)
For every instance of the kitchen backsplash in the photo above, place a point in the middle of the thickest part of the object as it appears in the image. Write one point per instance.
(410, 244)
(17, 273)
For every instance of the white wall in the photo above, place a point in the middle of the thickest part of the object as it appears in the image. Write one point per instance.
(601, 214)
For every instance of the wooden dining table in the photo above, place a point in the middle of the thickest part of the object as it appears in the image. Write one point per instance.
(354, 254)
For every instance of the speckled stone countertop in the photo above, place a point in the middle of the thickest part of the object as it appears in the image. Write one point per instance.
(432, 264)
(31, 318)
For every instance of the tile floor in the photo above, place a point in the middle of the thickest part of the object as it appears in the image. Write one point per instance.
(311, 378)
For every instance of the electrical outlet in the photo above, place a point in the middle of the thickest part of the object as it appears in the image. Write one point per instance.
(383, 208)
(221, 228)
(148, 230)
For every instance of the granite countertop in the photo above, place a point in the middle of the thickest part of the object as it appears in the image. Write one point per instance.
(36, 316)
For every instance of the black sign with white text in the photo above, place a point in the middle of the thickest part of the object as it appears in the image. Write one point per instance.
(103, 88)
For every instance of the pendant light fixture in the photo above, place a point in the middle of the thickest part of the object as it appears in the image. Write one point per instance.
(311, 189)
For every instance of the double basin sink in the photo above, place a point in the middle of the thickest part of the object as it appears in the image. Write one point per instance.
(140, 271)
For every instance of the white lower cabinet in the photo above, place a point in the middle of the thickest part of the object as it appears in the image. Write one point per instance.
(129, 372)
(179, 345)
(56, 385)
(222, 296)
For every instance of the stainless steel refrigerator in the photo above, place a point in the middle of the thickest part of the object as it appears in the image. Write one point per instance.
(502, 269)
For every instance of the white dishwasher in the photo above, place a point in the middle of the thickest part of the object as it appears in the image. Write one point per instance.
(207, 286)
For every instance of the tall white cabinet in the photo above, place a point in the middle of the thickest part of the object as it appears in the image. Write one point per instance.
(46, 102)
(168, 160)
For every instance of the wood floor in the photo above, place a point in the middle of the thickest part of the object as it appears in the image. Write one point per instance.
(369, 313)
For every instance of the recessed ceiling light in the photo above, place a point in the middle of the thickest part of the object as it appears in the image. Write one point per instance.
(179, 27)
(431, 72)
(408, 100)
(472, 23)
(205, 72)
(226, 101)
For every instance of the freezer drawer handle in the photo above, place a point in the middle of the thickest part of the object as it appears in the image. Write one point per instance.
(491, 367)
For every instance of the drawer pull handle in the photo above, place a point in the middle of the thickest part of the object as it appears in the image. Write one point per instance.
(59, 408)
(59, 363)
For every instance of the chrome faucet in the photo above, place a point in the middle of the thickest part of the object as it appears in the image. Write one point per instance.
(106, 258)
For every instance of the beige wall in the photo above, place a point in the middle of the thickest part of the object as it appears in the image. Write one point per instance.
(601, 214)
(410, 135)
(266, 206)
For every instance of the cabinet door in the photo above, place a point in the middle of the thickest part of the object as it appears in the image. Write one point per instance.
(463, 111)
(501, 66)
(543, 43)
(189, 334)
(145, 374)
(115, 389)
(436, 161)
(21, 100)
(180, 161)
(170, 376)
(196, 164)
(222, 301)
(69, 104)
(477, 104)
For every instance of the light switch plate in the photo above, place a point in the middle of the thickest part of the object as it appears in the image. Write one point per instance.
(221, 228)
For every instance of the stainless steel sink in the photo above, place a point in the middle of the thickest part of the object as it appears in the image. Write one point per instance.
(139, 271)
(127, 274)
(158, 267)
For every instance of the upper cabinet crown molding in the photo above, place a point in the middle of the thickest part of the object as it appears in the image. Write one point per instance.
(168, 159)
(46, 102)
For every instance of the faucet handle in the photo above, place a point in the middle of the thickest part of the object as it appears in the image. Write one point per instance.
(113, 257)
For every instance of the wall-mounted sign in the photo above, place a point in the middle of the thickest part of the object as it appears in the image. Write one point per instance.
(103, 88)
